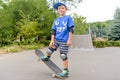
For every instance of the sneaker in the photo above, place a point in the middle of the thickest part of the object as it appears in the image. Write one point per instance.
(64, 73)
(45, 58)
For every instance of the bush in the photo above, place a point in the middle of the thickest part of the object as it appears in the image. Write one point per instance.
(113, 43)
(102, 44)
(99, 44)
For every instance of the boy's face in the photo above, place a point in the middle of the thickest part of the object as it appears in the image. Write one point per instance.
(61, 10)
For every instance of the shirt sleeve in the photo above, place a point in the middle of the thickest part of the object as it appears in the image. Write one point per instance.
(70, 22)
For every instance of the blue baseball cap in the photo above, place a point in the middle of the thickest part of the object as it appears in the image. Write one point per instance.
(56, 5)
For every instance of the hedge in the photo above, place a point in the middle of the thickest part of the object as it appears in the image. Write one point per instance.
(102, 44)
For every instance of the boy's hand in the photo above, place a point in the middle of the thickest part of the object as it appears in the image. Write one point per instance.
(51, 44)
(69, 43)
(69, 39)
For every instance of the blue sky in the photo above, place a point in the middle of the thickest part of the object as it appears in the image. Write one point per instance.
(97, 10)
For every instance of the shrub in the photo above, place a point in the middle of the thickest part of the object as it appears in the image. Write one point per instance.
(102, 44)
(99, 44)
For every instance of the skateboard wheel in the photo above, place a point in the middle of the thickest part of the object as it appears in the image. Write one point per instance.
(38, 60)
(53, 75)
(56, 76)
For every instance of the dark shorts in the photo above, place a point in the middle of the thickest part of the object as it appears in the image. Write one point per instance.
(63, 48)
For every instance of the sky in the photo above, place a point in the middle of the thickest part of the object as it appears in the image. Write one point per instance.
(97, 10)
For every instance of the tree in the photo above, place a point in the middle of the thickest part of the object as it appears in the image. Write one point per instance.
(20, 17)
(7, 30)
(33, 12)
(80, 24)
(115, 29)
(101, 29)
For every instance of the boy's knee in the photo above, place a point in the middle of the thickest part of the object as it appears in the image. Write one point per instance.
(63, 56)
(50, 50)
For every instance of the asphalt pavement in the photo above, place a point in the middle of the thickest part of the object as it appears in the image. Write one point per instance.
(100, 64)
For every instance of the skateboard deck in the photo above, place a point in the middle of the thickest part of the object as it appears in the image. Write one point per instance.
(50, 64)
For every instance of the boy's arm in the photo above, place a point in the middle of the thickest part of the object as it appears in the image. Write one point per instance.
(71, 31)
(52, 41)
(69, 39)
(52, 38)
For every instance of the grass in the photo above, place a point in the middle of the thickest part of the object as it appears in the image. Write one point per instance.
(17, 48)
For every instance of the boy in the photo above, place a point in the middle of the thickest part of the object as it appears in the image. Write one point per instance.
(61, 36)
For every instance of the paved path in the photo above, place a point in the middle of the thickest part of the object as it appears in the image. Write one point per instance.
(100, 64)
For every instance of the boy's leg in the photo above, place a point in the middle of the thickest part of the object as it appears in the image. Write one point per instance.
(65, 63)
(63, 54)
(49, 52)
(65, 71)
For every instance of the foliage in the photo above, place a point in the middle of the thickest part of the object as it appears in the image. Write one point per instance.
(113, 43)
(29, 29)
(115, 28)
(24, 18)
(101, 29)
(7, 30)
(102, 44)
(99, 44)
(80, 24)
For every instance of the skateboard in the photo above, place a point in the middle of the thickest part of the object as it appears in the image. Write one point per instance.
(51, 65)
